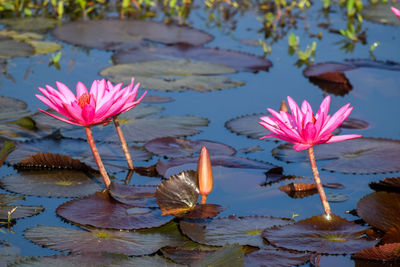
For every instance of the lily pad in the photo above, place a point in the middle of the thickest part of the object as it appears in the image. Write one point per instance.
(175, 148)
(102, 211)
(380, 209)
(388, 184)
(156, 99)
(20, 211)
(363, 156)
(45, 47)
(218, 232)
(11, 48)
(299, 190)
(123, 34)
(353, 123)
(55, 183)
(381, 13)
(174, 166)
(6, 149)
(377, 64)
(136, 195)
(336, 197)
(173, 75)
(387, 252)
(229, 255)
(392, 236)
(29, 24)
(240, 61)
(320, 234)
(318, 69)
(271, 257)
(128, 243)
(247, 125)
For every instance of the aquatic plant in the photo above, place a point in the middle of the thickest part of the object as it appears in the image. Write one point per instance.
(396, 11)
(102, 103)
(305, 130)
(204, 172)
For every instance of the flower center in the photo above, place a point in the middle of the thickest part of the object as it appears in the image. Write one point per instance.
(84, 100)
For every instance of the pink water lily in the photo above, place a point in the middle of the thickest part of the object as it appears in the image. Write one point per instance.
(305, 129)
(86, 108)
(396, 11)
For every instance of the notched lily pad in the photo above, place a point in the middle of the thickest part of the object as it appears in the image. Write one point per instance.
(6, 149)
(137, 195)
(242, 230)
(28, 24)
(319, 234)
(271, 257)
(238, 60)
(175, 148)
(392, 236)
(380, 209)
(363, 156)
(123, 34)
(388, 185)
(174, 166)
(17, 211)
(381, 13)
(173, 75)
(55, 183)
(353, 123)
(10, 48)
(122, 242)
(247, 125)
(387, 252)
(102, 211)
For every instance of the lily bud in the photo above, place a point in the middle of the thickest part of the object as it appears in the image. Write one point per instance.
(284, 107)
(204, 172)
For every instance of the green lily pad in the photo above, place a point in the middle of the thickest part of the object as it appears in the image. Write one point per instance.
(242, 230)
(247, 125)
(137, 195)
(173, 75)
(320, 234)
(271, 257)
(363, 156)
(45, 47)
(122, 34)
(102, 211)
(29, 24)
(380, 209)
(54, 183)
(240, 61)
(11, 48)
(112, 241)
(381, 13)
(175, 148)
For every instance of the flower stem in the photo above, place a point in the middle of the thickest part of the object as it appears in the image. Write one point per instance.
(203, 199)
(320, 189)
(123, 143)
(97, 158)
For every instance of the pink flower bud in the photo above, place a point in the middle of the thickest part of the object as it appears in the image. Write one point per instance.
(204, 172)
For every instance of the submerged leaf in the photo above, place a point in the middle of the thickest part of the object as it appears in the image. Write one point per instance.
(218, 232)
(380, 209)
(175, 148)
(320, 234)
(121, 34)
(102, 211)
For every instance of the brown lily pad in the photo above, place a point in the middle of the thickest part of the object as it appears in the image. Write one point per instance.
(387, 252)
(333, 83)
(271, 257)
(388, 185)
(174, 166)
(123, 34)
(17, 211)
(392, 236)
(363, 156)
(353, 123)
(238, 60)
(299, 190)
(56, 183)
(137, 195)
(232, 229)
(327, 67)
(380, 209)
(320, 234)
(128, 243)
(102, 211)
(377, 64)
(175, 148)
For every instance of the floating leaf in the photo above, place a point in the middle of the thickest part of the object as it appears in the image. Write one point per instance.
(102, 211)
(229, 255)
(45, 47)
(319, 234)
(172, 75)
(137, 195)
(270, 257)
(6, 149)
(388, 184)
(189, 254)
(12, 108)
(247, 125)
(128, 243)
(242, 230)
(175, 148)
(387, 252)
(6, 199)
(364, 155)
(238, 60)
(19, 211)
(327, 67)
(392, 236)
(380, 13)
(177, 165)
(156, 99)
(353, 123)
(10, 48)
(336, 197)
(123, 34)
(299, 190)
(29, 24)
(380, 209)
(55, 183)
(377, 64)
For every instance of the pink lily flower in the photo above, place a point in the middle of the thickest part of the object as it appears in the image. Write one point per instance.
(305, 129)
(396, 11)
(93, 107)
(102, 103)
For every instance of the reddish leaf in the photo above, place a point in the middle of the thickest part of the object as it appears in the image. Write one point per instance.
(137, 195)
(387, 252)
(388, 184)
(392, 236)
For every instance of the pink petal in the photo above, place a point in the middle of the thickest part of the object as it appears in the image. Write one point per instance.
(88, 113)
(309, 133)
(339, 138)
(80, 90)
(299, 147)
(396, 11)
(64, 90)
(324, 107)
(60, 118)
(59, 109)
(75, 112)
